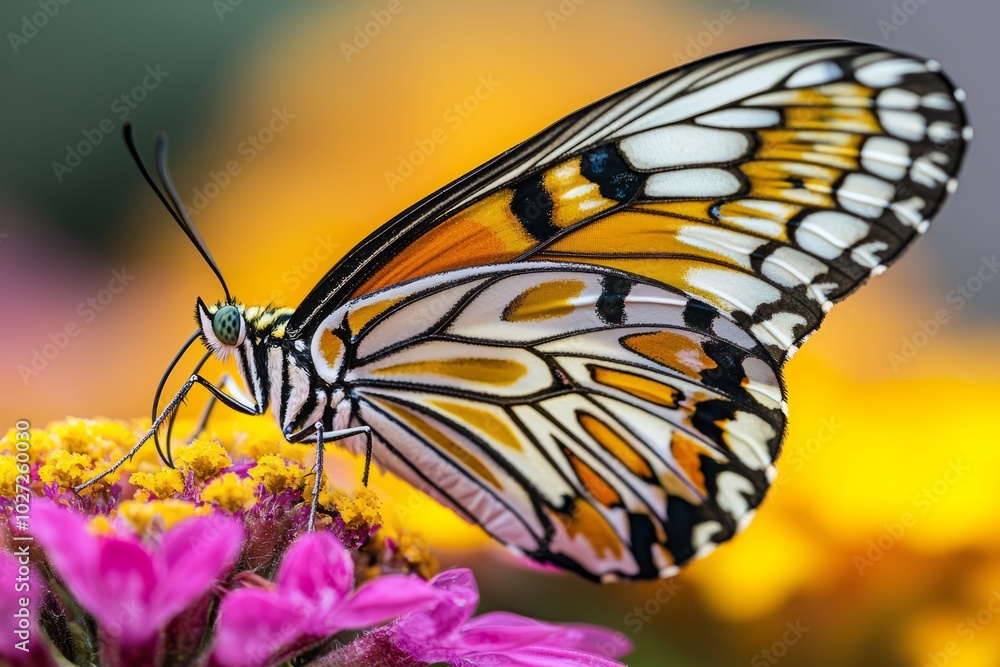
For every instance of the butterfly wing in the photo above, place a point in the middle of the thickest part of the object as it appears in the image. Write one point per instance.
(578, 345)
(770, 182)
(589, 419)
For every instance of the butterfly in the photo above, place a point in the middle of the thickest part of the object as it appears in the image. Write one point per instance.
(579, 345)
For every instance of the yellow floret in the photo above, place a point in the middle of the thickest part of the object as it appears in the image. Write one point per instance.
(38, 443)
(164, 484)
(276, 474)
(100, 525)
(359, 509)
(231, 492)
(68, 469)
(205, 458)
(140, 514)
(8, 476)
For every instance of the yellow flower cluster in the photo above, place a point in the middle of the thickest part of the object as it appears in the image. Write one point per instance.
(8, 476)
(205, 458)
(230, 492)
(276, 474)
(163, 484)
(361, 508)
(66, 468)
(142, 514)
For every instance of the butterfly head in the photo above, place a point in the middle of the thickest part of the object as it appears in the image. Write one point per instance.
(227, 326)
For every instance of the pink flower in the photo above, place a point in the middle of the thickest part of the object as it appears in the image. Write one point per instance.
(448, 633)
(23, 643)
(312, 599)
(132, 589)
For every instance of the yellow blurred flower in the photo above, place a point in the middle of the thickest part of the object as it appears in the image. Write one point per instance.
(170, 512)
(8, 476)
(230, 492)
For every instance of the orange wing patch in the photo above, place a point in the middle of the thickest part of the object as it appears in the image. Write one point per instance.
(587, 521)
(486, 232)
(598, 489)
(685, 452)
(640, 386)
(615, 444)
(674, 350)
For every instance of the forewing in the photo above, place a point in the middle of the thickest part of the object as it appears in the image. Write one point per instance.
(585, 417)
(769, 182)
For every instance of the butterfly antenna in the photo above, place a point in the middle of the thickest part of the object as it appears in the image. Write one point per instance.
(166, 458)
(174, 205)
(173, 415)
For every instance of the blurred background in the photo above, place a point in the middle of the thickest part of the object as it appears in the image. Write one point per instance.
(292, 127)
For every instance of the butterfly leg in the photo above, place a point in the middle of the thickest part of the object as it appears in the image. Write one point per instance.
(230, 385)
(321, 439)
(217, 393)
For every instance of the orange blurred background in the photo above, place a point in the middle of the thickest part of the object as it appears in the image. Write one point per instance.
(293, 138)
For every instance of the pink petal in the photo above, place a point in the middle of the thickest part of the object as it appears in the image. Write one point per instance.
(384, 599)
(191, 557)
(69, 547)
(543, 657)
(458, 604)
(317, 568)
(432, 635)
(121, 593)
(253, 625)
(16, 586)
(600, 641)
(502, 631)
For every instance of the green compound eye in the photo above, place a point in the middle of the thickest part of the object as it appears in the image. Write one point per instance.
(227, 324)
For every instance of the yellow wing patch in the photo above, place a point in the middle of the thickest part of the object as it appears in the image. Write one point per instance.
(546, 301)
(484, 421)
(422, 426)
(493, 371)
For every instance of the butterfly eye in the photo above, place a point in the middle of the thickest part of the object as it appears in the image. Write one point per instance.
(228, 326)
